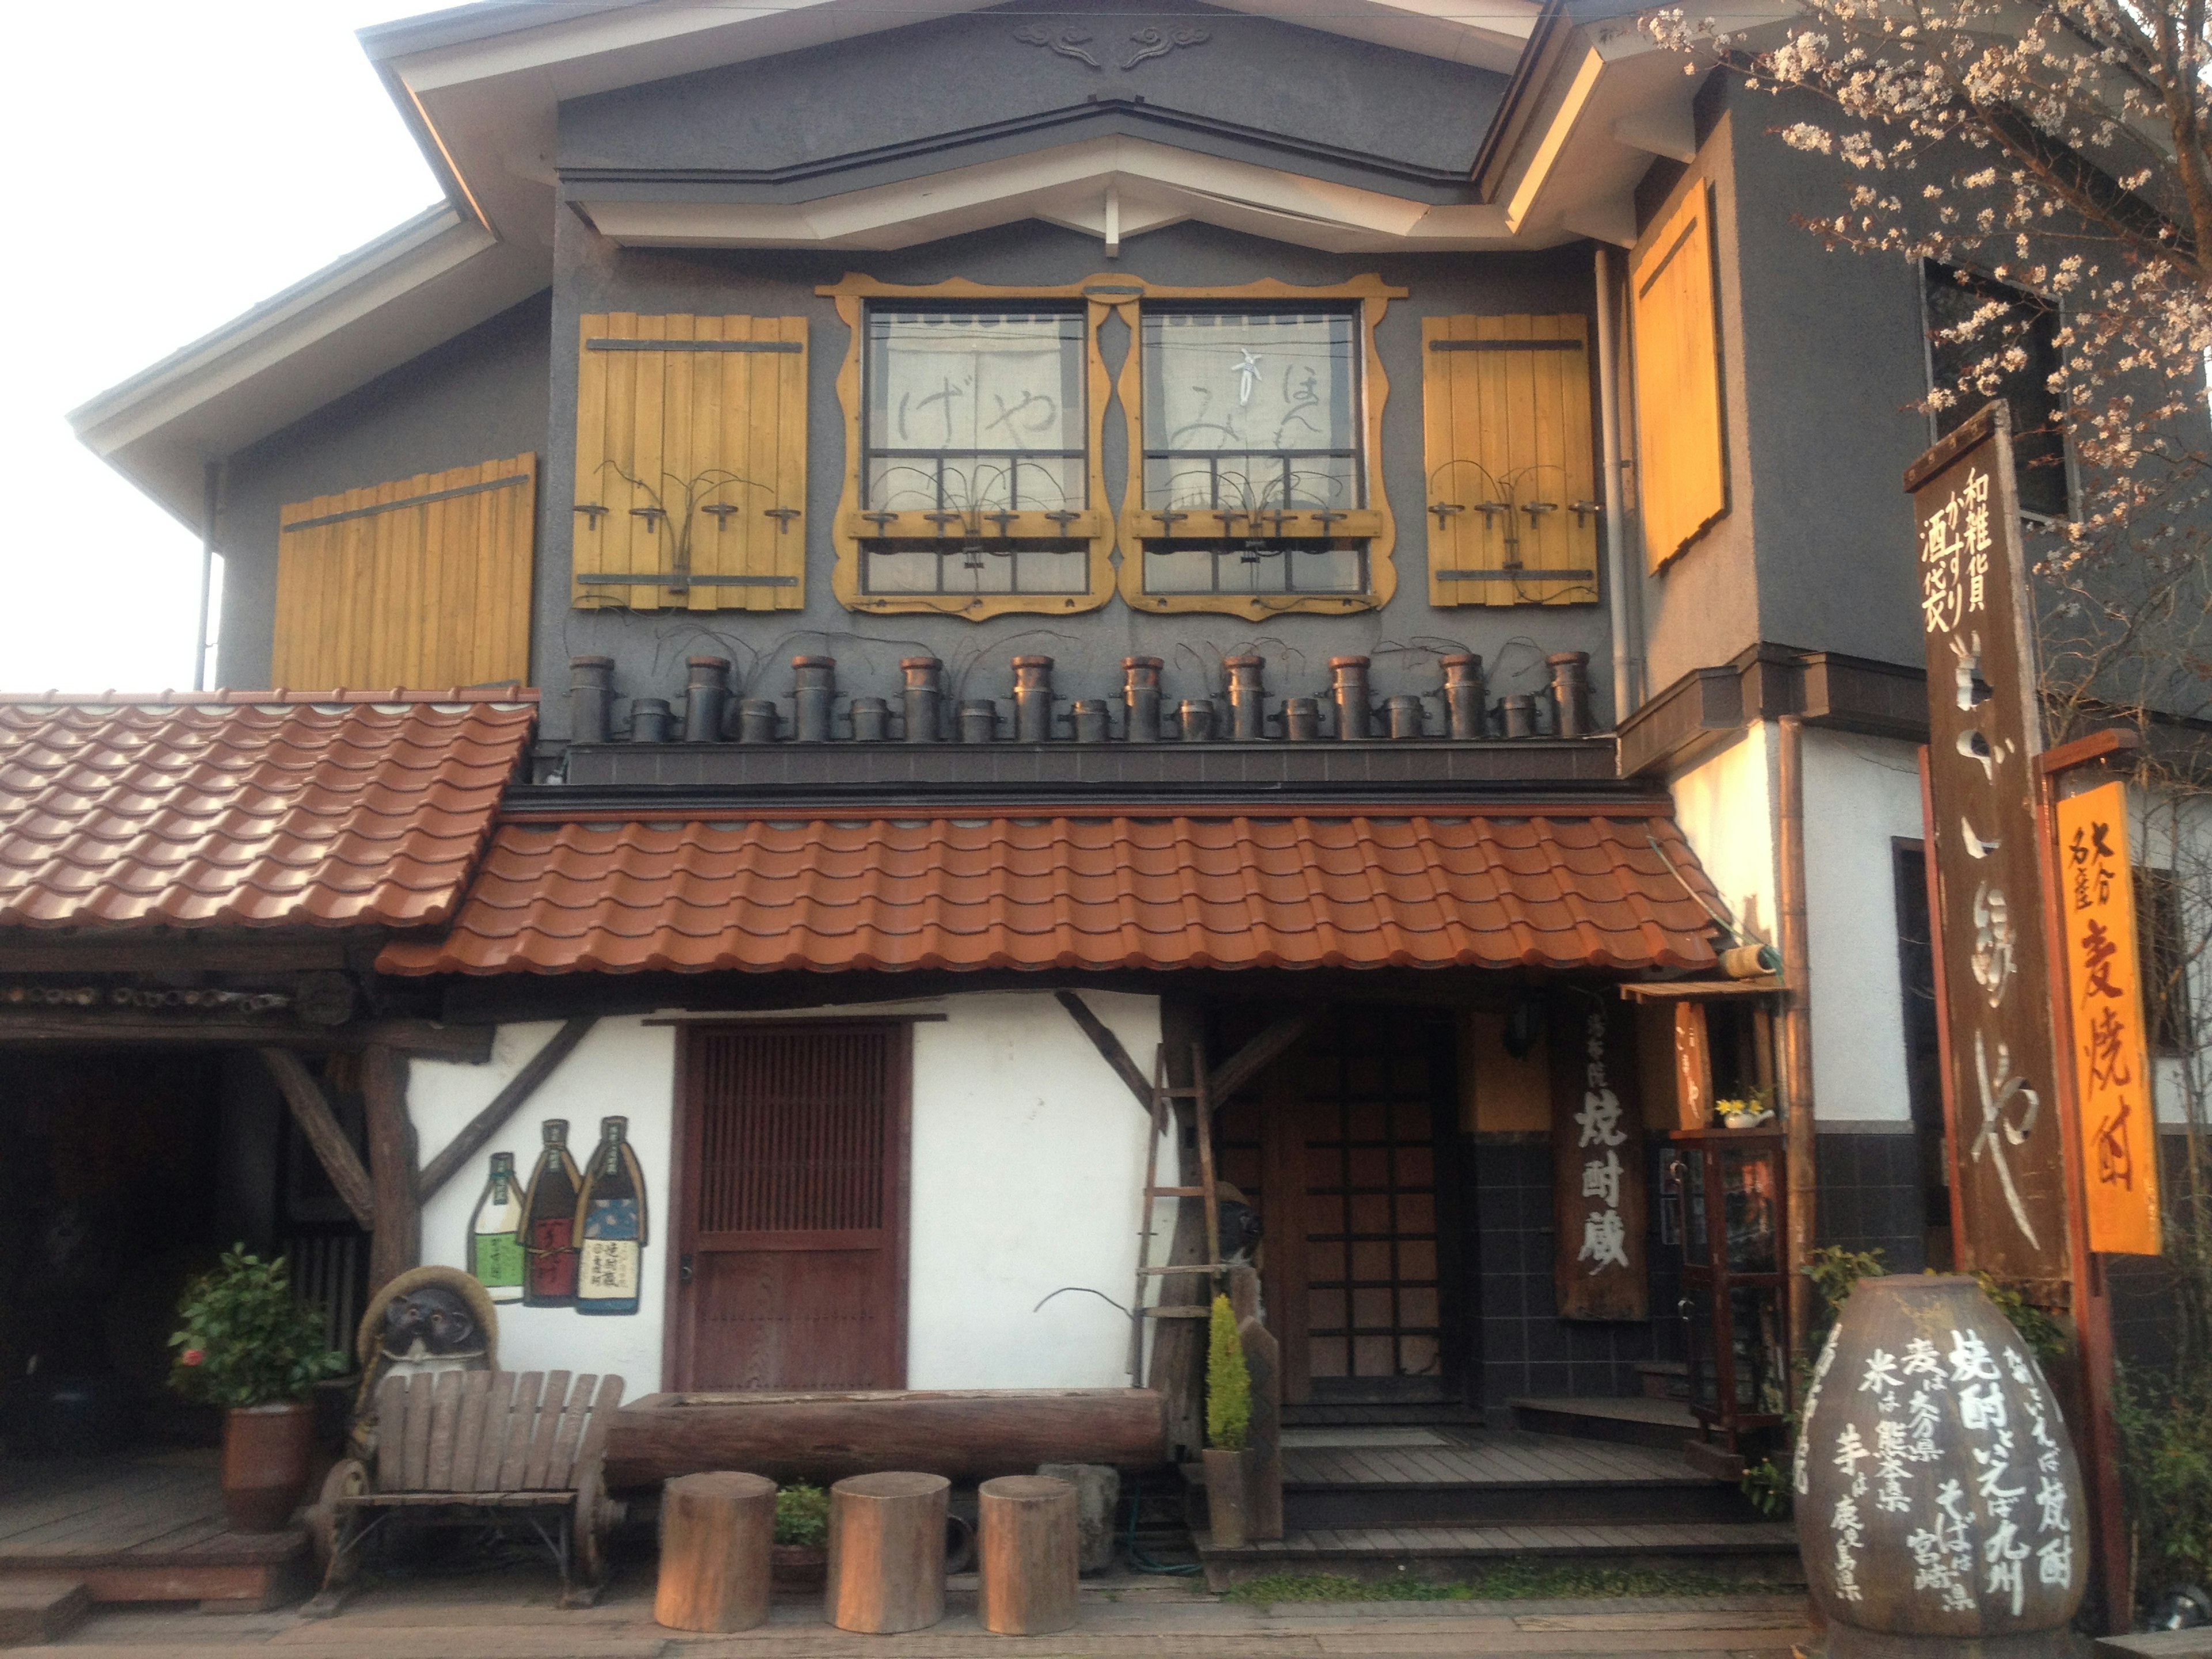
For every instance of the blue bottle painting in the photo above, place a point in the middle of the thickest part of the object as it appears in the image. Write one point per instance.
(610, 1225)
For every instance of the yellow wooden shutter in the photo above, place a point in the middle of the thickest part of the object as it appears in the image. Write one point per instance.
(422, 582)
(691, 462)
(1513, 514)
(1682, 469)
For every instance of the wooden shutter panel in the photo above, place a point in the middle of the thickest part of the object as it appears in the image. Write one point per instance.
(1682, 470)
(691, 458)
(423, 582)
(1506, 404)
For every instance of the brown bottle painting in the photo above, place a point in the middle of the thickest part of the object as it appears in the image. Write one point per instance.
(549, 1224)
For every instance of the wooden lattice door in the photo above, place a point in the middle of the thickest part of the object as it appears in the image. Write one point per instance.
(791, 1233)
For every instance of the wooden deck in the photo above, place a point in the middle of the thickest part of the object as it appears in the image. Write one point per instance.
(1502, 1458)
(147, 1527)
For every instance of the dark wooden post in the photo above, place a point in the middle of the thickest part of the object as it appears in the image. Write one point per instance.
(396, 1244)
(716, 1531)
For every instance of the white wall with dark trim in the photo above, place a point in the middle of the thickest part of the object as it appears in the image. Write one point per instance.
(1028, 1156)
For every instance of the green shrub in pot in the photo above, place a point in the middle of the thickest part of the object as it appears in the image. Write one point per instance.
(248, 1339)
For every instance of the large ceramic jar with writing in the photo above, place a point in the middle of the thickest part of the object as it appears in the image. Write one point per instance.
(1938, 1500)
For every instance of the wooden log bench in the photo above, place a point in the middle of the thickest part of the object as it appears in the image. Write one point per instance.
(465, 1448)
(970, 1434)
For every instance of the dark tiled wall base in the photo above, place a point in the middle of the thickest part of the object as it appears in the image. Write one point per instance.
(1869, 1197)
(1525, 1347)
(2145, 1328)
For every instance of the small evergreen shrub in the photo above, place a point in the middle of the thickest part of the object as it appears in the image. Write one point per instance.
(1228, 1382)
(248, 1339)
(802, 1516)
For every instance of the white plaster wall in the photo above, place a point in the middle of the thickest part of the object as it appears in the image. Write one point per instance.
(623, 1067)
(1028, 1163)
(1861, 795)
(1725, 807)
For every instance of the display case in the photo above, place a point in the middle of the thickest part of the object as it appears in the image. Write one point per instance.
(1730, 1188)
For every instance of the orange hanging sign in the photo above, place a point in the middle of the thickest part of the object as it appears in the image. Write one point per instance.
(2113, 1084)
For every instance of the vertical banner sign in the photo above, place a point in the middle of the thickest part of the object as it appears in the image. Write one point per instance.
(2111, 1060)
(1992, 963)
(1599, 1270)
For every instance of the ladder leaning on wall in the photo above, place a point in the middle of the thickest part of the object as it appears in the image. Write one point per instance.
(1164, 1099)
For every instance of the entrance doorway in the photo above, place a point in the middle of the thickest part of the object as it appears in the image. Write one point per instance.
(1344, 1147)
(791, 1223)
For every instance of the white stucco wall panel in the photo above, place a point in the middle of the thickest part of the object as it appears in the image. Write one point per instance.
(1725, 805)
(623, 1067)
(1029, 1162)
(1027, 1168)
(1862, 795)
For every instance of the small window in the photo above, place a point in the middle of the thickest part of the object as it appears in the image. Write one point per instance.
(2164, 957)
(1250, 417)
(1954, 298)
(975, 412)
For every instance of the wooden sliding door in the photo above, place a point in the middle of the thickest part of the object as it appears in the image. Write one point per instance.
(790, 1229)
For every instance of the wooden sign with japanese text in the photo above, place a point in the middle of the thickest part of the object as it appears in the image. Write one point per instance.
(1993, 961)
(2112, 1093)
(1599, 1209)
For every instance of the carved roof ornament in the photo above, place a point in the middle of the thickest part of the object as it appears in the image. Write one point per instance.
(1076, 43)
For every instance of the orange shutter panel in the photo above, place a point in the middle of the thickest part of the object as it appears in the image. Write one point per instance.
(1682, 470)
(421, 582)
(690, 462)
(1512, 514)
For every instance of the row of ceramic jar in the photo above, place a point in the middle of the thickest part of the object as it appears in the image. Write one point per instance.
(712, 713)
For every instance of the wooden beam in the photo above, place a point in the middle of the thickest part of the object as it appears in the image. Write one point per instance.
(2088, 752)
(509, 1101)
(312, 1112)
(396, 1244)
(1108, 1047)
(470, 1044)
(26, 951)
(1247, 1062)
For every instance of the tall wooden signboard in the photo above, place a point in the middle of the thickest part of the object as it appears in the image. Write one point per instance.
(1993, 964)
(1600, 1271)
(2113, 1105)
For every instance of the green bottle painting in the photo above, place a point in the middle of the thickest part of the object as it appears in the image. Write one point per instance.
(496, 1233)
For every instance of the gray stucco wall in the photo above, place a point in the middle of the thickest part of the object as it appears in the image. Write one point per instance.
(479, 397)
(1405, 637)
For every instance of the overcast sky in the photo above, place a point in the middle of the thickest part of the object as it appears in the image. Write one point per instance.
(178, 161)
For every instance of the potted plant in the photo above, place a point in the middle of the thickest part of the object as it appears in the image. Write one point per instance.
(1228, 1427)
(252, 1346)
(800, 1557)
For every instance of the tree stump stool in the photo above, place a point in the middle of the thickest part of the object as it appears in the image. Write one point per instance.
(1028, 1548)
(716, 1533)
(887, 1553)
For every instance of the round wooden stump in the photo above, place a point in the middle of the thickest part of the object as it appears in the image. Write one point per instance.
(715, 1531)
(1028, 1550)
(887, 1553)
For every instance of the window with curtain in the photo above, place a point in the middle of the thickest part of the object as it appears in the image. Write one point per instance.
(971, 416)
(1249, 414)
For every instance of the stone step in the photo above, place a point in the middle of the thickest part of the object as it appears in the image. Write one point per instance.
(1637, 1421)
(34, 1610)
(1762, 1552)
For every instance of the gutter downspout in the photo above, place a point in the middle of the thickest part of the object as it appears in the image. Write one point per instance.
(1797, 1028)
(1626, 692)
(211, 499)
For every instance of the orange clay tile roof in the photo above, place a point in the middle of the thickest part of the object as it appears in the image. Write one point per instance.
(1171, 888)
(249, 808)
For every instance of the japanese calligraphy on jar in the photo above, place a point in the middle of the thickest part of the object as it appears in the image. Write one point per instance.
(1937, 1493)
(2113, 1094)
(1992, 966)
(1597, 1155)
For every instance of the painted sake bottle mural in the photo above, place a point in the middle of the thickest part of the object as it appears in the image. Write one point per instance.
(609, 1225)
(1937, 1492)
(495, 1232)
(549, 1223)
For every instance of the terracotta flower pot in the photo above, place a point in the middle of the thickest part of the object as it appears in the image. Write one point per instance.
(1226, 1508)
(264, 1464)
(799, 1566)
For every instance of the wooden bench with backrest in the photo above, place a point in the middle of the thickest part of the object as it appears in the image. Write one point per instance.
(463, 1447)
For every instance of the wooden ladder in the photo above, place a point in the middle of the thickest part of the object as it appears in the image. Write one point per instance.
(1164, 1099)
